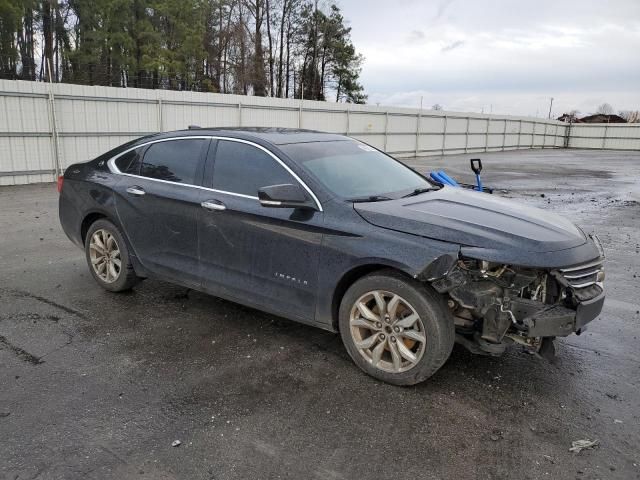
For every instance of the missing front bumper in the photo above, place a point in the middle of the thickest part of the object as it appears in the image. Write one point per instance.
(559, 321)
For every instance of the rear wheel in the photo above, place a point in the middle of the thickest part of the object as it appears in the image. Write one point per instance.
(395, 328)
(108, 257)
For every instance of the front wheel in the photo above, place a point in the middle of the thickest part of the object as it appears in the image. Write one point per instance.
(395, 328)
(108, 257)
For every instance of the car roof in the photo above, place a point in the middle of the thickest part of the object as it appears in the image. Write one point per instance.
(275, 136)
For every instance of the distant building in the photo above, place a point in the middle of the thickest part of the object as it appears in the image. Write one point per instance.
(569, 118)
(603, 118)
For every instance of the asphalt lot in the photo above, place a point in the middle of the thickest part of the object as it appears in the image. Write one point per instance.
(98, 385)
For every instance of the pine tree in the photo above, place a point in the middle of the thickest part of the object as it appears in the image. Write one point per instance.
(280, 48)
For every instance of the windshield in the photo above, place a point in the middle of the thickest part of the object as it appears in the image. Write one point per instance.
(351, 169)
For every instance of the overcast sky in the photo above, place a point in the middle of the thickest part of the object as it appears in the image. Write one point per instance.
(508, 56)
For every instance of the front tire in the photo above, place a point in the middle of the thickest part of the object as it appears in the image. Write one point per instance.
(396, 329)
(108, 257)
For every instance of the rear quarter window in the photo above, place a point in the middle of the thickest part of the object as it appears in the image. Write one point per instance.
(130, 162)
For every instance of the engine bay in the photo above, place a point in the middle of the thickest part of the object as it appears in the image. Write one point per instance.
(495, 305)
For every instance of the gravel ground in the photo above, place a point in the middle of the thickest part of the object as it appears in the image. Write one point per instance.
(98, 385)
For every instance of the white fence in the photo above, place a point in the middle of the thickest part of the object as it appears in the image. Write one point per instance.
(614, 136)
(44, 127)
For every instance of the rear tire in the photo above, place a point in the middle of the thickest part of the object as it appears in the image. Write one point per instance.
(409, 341)
(108, 257)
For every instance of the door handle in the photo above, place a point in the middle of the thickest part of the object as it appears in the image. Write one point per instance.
(136, 190)
(214, 205)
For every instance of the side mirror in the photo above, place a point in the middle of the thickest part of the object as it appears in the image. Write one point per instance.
(285, 196)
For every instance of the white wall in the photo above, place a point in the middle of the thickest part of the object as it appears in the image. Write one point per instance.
(91, 120)
(617, 136)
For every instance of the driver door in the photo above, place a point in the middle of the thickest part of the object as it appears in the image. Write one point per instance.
(260, 256)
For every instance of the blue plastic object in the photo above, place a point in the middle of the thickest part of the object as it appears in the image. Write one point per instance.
(438, 178)
(476, 167)
(450, 180)
(441, 177)
(435, 177)
(478, 182)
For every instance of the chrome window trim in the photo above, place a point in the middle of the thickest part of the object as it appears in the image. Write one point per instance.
(188, 185)
(111, 165)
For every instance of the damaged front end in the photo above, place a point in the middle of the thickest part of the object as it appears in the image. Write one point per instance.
(495, 305)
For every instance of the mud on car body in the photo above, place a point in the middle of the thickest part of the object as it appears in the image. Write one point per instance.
(328, 231)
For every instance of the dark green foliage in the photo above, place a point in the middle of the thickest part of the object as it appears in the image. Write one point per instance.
(284, 48)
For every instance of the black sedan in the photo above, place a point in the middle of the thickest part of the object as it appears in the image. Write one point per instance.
(329, 231)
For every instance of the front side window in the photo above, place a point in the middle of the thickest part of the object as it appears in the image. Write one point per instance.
(173, 161)
(351, 169)
(242, 168)
(130, 162)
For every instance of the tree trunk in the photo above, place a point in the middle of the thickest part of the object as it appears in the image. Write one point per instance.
(271, 60)
(58, 41)
(259, 80)
(288, 70)
(323, 64)
(243, 54)
(218, 66)
(281, 53)
(314, 57)
(47, 30)
(288, 74)
(27, 50)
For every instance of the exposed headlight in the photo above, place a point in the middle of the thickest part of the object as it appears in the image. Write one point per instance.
(485, 268)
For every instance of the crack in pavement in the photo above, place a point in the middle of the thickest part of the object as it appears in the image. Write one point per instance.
(22, 293)
(19, 352)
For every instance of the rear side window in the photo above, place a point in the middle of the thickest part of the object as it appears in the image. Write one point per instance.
(242, 168)
(173, 161)
(130, 162)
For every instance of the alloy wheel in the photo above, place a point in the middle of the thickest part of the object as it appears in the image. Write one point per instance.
(387, 331)
(105, 256)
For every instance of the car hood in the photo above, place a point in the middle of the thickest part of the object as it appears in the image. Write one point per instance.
(474, 219)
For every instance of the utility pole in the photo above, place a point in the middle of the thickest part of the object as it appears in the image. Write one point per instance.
(550, 105)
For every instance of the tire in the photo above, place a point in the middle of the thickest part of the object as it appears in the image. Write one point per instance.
(125, 276)
(413, 348)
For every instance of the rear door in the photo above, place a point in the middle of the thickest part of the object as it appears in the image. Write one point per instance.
(159, 205)
(267, 257)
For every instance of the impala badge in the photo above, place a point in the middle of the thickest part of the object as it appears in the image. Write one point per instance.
(290, 278)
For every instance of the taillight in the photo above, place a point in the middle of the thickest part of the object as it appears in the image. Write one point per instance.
(60, 181)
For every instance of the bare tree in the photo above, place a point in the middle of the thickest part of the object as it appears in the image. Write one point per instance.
(436, 106)
(271, 57)
(285, 20)
(631, 116)
(605, 109)
(257, 9)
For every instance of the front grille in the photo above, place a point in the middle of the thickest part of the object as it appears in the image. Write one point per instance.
(582, 276)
